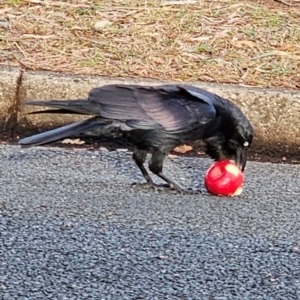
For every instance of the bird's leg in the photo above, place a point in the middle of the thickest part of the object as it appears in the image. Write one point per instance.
(156, 166)
(139, 156)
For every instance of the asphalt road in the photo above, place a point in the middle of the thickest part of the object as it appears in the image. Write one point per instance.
(72, 227)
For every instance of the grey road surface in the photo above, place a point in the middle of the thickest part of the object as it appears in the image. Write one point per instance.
(72, 227)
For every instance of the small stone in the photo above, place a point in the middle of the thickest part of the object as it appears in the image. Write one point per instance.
(121, 150)
(101, 24)
(4, 24)
(103, 149)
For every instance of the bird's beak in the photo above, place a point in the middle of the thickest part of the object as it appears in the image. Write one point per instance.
(241, 158)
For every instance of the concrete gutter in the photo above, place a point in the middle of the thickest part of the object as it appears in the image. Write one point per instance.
(274, 113)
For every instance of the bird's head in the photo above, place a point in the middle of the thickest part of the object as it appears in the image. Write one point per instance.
(233, 137)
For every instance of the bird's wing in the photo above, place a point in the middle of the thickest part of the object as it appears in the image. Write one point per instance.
(169, 108)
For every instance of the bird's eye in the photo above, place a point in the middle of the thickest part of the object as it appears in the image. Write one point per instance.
(246, 144)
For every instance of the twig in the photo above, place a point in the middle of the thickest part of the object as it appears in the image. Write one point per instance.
(283, 2)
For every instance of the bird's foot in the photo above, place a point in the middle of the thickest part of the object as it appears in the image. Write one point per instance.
(150, 185)
(166, 188)
(190, 192)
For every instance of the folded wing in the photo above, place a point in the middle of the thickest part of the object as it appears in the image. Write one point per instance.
(170, 108)
(167, 108)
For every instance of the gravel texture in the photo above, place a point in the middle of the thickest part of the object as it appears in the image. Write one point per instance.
(72, 227)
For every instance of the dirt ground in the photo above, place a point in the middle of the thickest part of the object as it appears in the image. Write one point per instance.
(254, 43)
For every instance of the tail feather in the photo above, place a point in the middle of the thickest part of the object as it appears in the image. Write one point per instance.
(55, 111)
(79, 106)
(73, 129)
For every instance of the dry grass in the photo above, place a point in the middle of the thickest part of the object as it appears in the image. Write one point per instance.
(233, 41)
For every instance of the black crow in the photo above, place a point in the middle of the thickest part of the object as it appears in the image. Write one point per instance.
(156, 118)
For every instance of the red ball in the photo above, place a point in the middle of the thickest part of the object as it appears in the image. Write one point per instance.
(224, 178)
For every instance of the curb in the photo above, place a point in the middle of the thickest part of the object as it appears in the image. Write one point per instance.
(10, 79)
(273, 112)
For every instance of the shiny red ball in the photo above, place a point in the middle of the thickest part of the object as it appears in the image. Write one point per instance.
(224, 178)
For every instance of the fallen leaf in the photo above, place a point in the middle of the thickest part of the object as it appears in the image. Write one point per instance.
(183, 149)
(73, 142)
(241, 44)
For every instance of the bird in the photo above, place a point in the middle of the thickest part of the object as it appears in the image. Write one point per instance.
(155, 119)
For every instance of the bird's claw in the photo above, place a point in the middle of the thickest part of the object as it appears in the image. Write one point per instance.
(150, 185)
(190, 192)
(166, 187)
